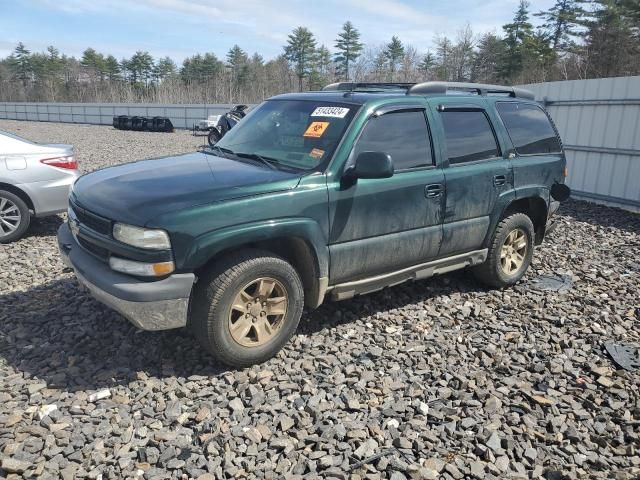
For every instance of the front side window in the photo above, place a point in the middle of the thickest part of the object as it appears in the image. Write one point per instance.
(469, 136)
(529, 128)
(403, 135)
(298, 134)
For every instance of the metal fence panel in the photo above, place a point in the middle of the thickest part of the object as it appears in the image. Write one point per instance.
(599, 122)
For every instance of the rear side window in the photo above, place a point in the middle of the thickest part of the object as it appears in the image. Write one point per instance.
(403, 135)
(529, 128)
(469, 136)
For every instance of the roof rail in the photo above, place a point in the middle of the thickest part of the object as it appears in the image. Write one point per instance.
(442, 88)
(433, 88)
(352, 86)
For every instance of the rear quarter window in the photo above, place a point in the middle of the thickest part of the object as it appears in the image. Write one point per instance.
(529, 128)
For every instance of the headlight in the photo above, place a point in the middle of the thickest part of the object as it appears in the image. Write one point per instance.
(141, 269)
(141, 237)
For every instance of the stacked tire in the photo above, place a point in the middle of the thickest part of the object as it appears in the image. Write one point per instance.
(138, 123)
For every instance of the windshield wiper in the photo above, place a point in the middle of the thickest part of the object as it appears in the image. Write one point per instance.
(225, 151)
(268, 161)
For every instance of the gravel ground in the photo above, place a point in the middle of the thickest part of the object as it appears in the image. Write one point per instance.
(439, 378)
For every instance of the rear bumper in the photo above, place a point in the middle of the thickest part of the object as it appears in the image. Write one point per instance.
(149, 305)
(51, 196)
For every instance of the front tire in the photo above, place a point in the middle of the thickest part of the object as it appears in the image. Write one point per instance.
(14, 217)
(510, 252)
(214, 136)
(247, 307)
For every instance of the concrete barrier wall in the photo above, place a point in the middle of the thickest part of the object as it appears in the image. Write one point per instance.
(182, 116)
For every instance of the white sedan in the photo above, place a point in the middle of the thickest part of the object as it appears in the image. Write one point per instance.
(34, 181)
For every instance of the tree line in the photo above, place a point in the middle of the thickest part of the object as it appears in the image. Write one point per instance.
(575, 39)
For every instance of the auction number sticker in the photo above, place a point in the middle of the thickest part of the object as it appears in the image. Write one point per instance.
(316, 129)
(337, 112)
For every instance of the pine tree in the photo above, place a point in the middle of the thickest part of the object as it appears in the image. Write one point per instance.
(20, 60)
(111, 68)
(300, 51)
(487, 58)
(320, 72)
(394, 51)
(238, 60)
(349, 48)
(427, 62)
(164, 68)
(516, 34)
(561, 22)
(611, 39)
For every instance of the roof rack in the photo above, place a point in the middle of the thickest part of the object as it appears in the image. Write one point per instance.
(367, 86)
(434, 88)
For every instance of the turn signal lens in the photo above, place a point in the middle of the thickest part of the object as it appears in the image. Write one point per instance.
(141, 269)
(566, 172)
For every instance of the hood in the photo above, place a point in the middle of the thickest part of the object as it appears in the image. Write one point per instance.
(137, 192)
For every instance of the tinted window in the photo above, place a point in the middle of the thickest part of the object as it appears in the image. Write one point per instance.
(469, 136)
(529, 128)
(403, 135)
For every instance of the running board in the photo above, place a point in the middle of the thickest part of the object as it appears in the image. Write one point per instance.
(343, 291)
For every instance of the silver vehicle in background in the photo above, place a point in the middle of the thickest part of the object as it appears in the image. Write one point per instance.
(34, 181)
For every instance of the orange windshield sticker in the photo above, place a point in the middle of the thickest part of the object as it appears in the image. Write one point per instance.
(316, 153)
(316, 129)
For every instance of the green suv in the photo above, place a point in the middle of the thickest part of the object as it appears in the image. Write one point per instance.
(316, 196)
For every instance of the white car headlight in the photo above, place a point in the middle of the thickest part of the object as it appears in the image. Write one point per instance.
(141, 269)
(141, 237)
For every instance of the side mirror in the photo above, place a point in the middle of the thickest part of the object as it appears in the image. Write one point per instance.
(372, 165)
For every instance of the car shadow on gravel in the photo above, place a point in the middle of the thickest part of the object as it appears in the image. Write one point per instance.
(44, 227)
(58, 333)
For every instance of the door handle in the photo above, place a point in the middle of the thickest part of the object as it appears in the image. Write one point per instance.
(432, 191)
(499, 180)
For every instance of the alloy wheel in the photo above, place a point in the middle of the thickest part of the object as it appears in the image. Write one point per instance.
(258, 312)
(514, 251)
(10, 217)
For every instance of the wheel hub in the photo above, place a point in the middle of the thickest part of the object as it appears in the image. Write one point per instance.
(514, 251)
(258, 312)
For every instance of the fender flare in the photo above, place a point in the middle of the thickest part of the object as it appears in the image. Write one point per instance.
(208, 245)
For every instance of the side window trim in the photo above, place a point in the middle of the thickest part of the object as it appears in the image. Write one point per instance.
(390, 110)
(471, 108)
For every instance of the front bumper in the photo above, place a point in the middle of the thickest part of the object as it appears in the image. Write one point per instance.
(149, 305)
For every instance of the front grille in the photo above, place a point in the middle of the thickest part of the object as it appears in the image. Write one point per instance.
(91, 220)
(94, 249)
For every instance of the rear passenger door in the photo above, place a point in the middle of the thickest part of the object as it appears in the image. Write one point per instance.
(478, 177)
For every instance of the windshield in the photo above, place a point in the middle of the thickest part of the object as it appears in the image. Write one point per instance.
(298, 134)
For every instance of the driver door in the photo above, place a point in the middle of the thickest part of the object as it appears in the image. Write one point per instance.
(382, 225)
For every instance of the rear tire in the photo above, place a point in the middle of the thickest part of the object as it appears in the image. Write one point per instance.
(246, 307)
(510, 252)
(14, 217)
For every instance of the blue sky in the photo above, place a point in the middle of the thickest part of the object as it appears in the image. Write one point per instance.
(180, 28)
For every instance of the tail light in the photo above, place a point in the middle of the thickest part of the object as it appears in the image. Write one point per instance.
(68, 162)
